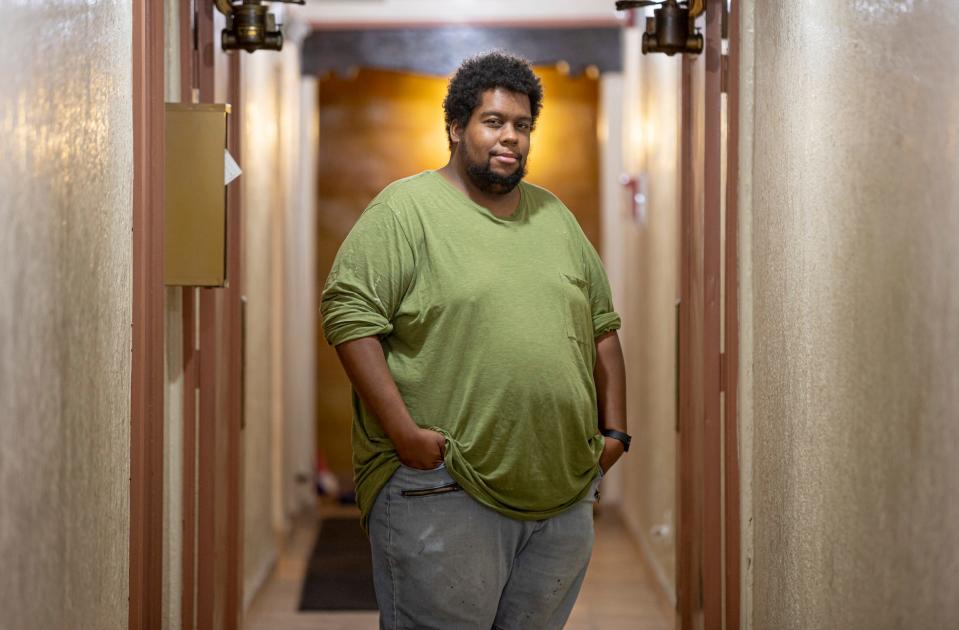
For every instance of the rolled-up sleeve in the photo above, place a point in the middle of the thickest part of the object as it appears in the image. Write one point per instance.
(370, 276)
(605, 317)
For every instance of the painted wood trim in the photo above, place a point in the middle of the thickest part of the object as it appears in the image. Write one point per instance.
(712, 304)
(731, 435)
(147, 379)
(235, 321)
(206, 543)
(205, 590)
(190, 367)
(685, 493)
(190, 383)
(205, 50)
(187, 52)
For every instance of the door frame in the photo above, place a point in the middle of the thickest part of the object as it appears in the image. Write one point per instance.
(148, 321)
(730, 364)
(708, 563)
(712, 308)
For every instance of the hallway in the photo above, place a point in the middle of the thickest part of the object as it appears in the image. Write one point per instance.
(776, 212)
(619, 592)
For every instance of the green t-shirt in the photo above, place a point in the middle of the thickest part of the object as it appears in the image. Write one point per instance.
(488, 325)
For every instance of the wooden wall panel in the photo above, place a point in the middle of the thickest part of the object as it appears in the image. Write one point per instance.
(147, 378)
(213, 591)
(691, 438)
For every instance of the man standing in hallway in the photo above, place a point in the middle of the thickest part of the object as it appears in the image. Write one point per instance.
(475, 322)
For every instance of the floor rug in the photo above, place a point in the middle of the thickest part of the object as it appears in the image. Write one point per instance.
(339, 575)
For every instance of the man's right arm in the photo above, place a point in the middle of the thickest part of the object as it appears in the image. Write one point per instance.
(365, 365)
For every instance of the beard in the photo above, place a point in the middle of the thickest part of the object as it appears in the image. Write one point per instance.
(490, 182)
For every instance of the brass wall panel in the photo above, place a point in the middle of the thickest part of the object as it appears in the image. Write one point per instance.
(195, 231)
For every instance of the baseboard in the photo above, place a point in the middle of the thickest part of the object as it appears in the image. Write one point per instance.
(641, 540)
(254, 584)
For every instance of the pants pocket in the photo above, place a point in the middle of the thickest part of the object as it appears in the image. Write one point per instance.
(431, 490)
(440, 466)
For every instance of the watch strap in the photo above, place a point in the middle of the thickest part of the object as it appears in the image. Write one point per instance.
(625, 438)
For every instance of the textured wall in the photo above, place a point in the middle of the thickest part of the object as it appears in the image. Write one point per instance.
(281, 316)
(261, 207)
(300, 307)
(65, 311)
(853, 305)
(642, 258)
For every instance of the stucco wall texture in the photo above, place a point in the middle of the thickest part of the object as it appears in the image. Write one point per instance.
(854, 303)
(65, 312)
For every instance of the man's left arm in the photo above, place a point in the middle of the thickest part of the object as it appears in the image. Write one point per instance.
(610, 377)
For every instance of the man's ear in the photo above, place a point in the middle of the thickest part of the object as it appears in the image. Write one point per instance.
(455, 132)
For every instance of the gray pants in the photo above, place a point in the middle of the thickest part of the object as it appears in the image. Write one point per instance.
(441, 560)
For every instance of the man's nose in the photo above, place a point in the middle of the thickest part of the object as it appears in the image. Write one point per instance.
(508, 134)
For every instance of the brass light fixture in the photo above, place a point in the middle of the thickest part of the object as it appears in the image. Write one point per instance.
(249, 26)
(672, 29)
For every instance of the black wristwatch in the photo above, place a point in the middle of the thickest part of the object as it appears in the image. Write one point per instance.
(625, 438)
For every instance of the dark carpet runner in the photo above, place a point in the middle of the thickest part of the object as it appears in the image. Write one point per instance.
(339, 575)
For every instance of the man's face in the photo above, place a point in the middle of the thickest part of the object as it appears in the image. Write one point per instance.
(495, 143)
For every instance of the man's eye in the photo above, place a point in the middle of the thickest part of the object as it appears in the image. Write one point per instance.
(493, 121)
(523, 126)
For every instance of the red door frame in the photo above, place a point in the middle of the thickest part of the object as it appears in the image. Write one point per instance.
(188, 63)
(688, 578)
(730, 363)
(712, 303)
(147, 377)
(235, 323)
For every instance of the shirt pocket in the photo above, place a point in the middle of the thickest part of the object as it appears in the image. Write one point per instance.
(579, 321)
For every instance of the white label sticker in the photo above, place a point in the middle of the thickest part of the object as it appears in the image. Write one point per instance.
(231, 170)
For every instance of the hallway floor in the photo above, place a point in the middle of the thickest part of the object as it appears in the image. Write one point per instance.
(619, 592)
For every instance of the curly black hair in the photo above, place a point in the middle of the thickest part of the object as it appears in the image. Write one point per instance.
(488, 71)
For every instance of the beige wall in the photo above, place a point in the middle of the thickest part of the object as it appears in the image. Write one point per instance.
(260, 207)
(642, 258)
(66, 171)
(300, 308)
(851, 314)
(279, 285)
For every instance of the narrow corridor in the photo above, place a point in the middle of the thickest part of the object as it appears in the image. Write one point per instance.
(619, 592)
(777, 215)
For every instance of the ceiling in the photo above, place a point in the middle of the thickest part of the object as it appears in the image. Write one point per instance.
(321, 14)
